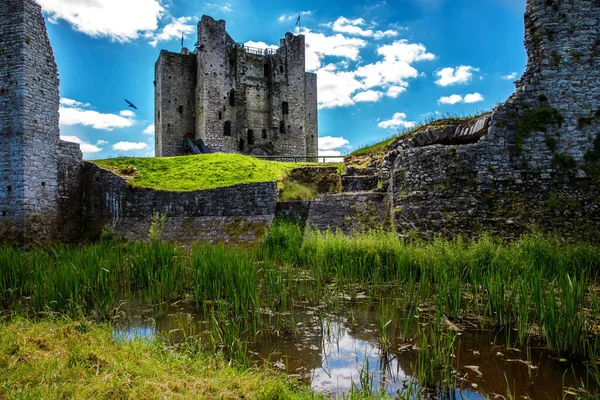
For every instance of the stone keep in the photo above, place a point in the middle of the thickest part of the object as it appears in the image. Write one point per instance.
(235, 98)
(39, 173)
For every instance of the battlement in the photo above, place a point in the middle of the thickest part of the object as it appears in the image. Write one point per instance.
(236, 98)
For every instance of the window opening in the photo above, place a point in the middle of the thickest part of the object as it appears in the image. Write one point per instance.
(282, 127)
(220, 114)
(232, 98)
(285, 109)
(250, 137)
(264, 133)
(227, 128)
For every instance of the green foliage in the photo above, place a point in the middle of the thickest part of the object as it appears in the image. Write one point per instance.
(592, 158)
(536, 120)
(157, 227)
(563, 161)
(206, 171)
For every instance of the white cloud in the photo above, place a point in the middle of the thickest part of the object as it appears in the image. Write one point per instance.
(328, 143)
(119, 20)
(73, 103)
(332, 153)
(319, 45)
(338, 87)
(397, 121)
(101, 142)
(149, 130)
(129, 146)
(510, 77)
(368, 96)
(174, 30)
(73, 112)
(86, 148)
(260, 45)
(354, 27)
(473, 98)
(454, 76)
(225, 8)
(385, 34)
(395, 91)
(127, 113)
(292, 17)
(456, 98)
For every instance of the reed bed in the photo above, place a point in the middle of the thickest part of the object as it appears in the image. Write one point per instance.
(535, 289)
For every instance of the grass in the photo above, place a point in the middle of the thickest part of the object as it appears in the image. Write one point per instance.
(537, 289)
(206, 171)
(379, 149)
(77, 360)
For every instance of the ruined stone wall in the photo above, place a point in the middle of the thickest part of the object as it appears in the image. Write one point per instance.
(175, 102)
(240, 95)
(231, 214)
(69, 224)
(29, 133)
(535, 165)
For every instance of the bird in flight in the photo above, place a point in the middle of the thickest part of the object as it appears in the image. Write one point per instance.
(131, 104)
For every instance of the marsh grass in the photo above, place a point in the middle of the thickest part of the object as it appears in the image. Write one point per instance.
(534, 289)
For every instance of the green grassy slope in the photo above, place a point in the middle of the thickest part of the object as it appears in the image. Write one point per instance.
(206, 171)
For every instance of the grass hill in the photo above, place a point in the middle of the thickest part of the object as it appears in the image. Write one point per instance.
(209, 171)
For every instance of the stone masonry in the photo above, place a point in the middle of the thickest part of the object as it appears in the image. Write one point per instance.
(234, 98)
(533, 163)
(29, 132)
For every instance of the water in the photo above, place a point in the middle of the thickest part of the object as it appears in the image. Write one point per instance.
(335, 352)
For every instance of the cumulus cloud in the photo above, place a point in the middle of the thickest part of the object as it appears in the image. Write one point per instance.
(86, 148)
(319, 45)
(292, 17)
(129, 146)
(118, 20)
(174, 30)
(339, 87)
(355, 27)
(473, 98)
(456, 98)
(127, 113)
(329, 143)
(149, 130)
(510, 77)
(395, 91)
(397, 121)
(101, 142)
(73, 112)
(454, 76)
(368, 96)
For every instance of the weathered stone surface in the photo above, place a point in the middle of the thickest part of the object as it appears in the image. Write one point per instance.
(294, 210)
(527, 169)
(359, 183)
(228, 214)
(350, 212)
(29, 133)
(265, 98)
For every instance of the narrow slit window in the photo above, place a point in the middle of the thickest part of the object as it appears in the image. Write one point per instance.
(266, 72)
(220, 114)
(282, 127)
(232, 98)
(264, 133)
(250, 137)
(285, 108)
(180, 109)
(227, 128)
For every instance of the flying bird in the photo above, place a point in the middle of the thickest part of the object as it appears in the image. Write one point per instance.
(130, 104)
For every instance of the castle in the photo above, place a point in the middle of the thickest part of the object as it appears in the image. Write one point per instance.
(235, 98)
(533, 163)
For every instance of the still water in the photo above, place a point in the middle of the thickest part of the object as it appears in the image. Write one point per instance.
(335, 353)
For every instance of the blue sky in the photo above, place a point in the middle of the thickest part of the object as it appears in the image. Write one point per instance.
(382, 65)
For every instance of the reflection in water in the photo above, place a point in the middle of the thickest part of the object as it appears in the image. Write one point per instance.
(333, 355)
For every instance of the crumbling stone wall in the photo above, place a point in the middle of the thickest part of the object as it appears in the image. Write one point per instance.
(230, 214)
(29, 133)
(243, 100)
(533, 165)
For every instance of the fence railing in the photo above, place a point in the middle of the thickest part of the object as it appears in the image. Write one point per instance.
(257, 51)
(302, 158)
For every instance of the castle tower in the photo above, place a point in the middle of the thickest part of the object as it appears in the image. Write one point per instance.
(29, 132)
(245, 100)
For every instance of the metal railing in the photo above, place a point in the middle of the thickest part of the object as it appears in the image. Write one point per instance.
(302, 158)
(257, 51)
